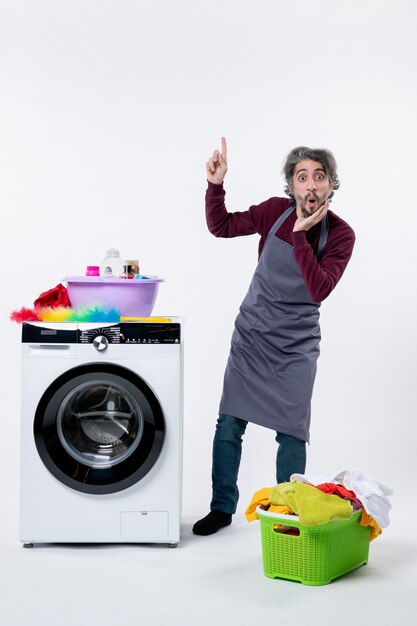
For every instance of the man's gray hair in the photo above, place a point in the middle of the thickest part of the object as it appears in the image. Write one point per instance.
(302, 153)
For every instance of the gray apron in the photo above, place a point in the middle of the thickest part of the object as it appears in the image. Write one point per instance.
(271, 368)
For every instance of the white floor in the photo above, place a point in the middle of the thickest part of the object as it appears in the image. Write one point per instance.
(215, 580)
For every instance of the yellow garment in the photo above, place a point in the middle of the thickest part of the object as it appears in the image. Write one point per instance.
(280, 508)
(261, 498)
(367, 520)
(312, 505)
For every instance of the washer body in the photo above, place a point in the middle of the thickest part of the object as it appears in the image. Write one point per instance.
(101, 432)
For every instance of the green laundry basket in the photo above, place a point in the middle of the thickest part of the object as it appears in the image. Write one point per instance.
(316, 556)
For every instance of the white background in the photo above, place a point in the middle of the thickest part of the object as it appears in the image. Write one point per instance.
(108, 112)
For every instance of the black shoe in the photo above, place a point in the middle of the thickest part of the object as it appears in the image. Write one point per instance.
(212, 523)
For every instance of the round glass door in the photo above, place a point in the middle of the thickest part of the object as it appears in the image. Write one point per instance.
(99, 428)
(100, 424)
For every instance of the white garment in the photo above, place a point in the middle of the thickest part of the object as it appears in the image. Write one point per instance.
(371, 493)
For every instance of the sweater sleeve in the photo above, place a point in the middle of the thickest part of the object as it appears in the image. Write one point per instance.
(322, 276)
(221, 223)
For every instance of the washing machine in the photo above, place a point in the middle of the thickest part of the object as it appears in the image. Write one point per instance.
(101, 432)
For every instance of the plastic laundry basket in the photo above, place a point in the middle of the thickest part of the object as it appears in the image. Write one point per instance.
(318, 554)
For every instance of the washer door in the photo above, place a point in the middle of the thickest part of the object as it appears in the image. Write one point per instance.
(99, 428)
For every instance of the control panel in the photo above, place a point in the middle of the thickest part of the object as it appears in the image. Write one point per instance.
(129, 333)
(132, 333)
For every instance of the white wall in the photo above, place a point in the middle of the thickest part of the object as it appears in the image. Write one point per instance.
(108, 111)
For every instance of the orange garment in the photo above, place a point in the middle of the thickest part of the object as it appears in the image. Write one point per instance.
(367, 520)
(261, 498)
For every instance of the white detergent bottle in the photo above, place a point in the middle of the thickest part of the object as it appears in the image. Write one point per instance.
(112, 265)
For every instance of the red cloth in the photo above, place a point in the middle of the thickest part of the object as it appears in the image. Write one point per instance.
(58, 296)
(339, 490)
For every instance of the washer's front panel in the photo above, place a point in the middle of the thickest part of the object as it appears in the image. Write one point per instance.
(96, 465)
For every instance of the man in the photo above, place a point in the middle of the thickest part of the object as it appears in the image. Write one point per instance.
(303, 252)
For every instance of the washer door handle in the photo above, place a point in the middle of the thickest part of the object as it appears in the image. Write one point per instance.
(100, 343)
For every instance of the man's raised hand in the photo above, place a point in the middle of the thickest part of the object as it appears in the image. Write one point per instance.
(216, 166)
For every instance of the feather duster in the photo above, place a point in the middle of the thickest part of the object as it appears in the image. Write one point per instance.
(87, 313)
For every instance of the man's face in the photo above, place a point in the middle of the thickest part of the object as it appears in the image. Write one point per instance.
(311, 187)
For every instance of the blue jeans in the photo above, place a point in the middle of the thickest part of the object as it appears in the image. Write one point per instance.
(227, 450)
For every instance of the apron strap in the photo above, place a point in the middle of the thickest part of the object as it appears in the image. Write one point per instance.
(281, 220)
(324, 232)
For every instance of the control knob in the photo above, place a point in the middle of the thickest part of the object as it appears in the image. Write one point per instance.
(100, 343)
